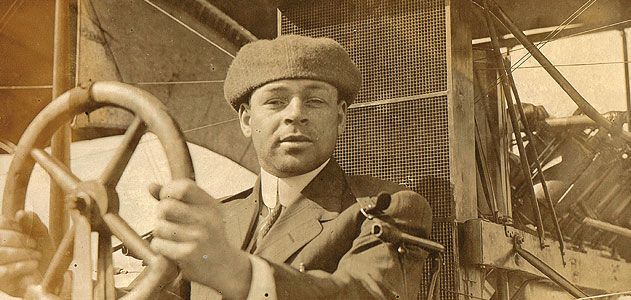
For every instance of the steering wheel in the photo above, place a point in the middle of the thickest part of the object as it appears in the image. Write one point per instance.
(93, 205)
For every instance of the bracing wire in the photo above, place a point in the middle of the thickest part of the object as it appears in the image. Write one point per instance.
(8, 12)
(570, 65)
(518, 48)
(556, 32)
(4, 20)
(578, 12)
(189, 28)
(147, 140)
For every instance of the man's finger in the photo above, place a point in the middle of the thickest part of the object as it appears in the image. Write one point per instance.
(16, 239)
(175, 189)
(185, 190)
(176, 251)
(9, 255)
(176, 232)
(12, 271)
(176, 211)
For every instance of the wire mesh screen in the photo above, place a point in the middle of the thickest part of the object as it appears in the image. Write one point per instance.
(443, 232)
(405, 142)
(395, 43)
(400, 49)
(408, 143)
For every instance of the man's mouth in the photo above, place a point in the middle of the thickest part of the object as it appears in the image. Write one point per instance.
(295, 139)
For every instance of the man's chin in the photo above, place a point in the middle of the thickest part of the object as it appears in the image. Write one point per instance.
(293, 166)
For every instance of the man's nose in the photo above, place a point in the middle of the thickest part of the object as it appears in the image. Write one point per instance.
(295, 112)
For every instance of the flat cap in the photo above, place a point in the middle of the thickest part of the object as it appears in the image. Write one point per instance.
(291, 57)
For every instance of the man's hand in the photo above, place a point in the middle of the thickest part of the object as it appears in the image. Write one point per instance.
(25, 251)
(190, 231)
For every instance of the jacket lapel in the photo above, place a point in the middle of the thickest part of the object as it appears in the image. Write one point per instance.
(240, 216)
(322, 200)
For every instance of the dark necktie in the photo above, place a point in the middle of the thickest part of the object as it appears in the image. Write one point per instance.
(272, 216)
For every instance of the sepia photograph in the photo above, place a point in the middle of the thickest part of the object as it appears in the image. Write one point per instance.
(315, 149)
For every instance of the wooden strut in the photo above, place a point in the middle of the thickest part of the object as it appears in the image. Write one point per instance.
(487, 186)
(540, 174)
(63, 80)
(523, 159)
(548, 271)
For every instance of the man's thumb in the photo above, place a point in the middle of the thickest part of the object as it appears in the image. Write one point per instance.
(31, 224)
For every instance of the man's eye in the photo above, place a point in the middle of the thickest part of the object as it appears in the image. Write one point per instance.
(275, 102)
(316, 101)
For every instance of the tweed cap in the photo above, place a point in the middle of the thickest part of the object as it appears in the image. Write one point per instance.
(290, 57)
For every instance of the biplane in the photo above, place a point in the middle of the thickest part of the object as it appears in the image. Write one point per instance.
(510, 117)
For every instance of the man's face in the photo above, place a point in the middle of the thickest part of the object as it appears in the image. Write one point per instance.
(294, 124)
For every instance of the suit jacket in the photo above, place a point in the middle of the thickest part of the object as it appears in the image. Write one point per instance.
(325, 234)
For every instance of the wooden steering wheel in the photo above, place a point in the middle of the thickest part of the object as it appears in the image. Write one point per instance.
(93, 205)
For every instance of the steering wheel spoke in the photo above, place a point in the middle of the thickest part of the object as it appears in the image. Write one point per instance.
(56, 169)
(115, 168)
(60, 261)
(129, 237)
(159, 270)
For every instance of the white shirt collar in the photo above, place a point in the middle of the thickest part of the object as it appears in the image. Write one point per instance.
(288, 188)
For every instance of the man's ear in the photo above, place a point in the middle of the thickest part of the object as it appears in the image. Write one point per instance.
(342, 108)
(244, 119)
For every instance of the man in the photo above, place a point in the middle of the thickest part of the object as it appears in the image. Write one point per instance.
(300, 232)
